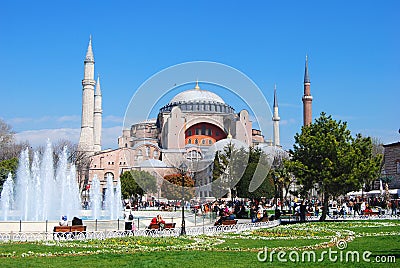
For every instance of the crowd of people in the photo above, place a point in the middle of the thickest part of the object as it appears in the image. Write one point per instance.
(271, 209)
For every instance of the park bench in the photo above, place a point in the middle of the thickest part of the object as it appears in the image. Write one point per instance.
(154, 229)
(156, 226)
(71, 231)
(226, 222)
(371, 213)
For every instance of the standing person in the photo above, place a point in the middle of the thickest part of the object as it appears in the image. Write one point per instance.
(356, 208)
(363, 207)
(394, 207)
(253, 214)
(128, 218)
(351, 205)
(303, 209)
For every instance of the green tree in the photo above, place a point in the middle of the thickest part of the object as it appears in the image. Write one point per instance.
(282, 179)
(229, 167)
(7, 166)
(257, 168)
(266, 189)
(325, 154)
(135, 183)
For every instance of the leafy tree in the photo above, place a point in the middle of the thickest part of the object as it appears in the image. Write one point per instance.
(266, 189)
(245, 166)
(172, 187)
(7, 166)
(229, 166)
(325, 154)
(282, 179)
(135, 183)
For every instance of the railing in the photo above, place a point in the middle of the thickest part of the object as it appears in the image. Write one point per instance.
(190, 231)
(293, 218)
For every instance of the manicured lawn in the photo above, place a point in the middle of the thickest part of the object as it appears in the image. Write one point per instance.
(381, 238)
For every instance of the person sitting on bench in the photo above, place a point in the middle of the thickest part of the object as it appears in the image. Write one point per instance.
(64, 221)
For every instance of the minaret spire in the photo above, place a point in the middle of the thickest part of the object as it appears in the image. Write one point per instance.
(98, 114)
(307, 98)
(89, 53)
(86, 140)
(98, 88)
(276, 119)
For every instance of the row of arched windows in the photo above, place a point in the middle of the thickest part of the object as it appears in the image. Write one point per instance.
(202, 141)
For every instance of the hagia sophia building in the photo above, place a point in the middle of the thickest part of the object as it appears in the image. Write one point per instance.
(185, 128)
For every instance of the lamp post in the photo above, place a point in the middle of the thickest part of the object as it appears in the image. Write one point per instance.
(183, 169)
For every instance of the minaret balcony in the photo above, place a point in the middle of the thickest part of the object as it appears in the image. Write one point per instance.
(307, 98)
(90, 82)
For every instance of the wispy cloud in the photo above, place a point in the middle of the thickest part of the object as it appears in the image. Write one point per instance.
(44, 119)
(289, 121)
(113, 119)
(344, 117)
(39, 137)
(110, 136)
(18, 120)
(69, 118)
(290, 105)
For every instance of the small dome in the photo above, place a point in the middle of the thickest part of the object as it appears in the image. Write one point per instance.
(197, 95)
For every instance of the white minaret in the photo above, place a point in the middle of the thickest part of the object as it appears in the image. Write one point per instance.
(276, 120)
(86, 140)
(98, 112)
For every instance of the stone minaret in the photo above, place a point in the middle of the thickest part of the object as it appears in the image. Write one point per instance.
(307, 98)
(98, 112)
(86, 140)
(276, 120)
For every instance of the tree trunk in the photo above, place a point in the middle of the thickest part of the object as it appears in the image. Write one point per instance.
(325, 207)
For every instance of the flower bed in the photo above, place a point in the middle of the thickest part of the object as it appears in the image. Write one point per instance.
(289, 237)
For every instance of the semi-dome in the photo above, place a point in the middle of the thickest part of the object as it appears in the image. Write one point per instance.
(197, 95)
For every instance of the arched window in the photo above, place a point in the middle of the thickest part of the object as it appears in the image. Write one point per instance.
(139, 155)
(108, 174)
(193, 155)
(203, 141)
(155, 154)
(196, 141)
(189, 141)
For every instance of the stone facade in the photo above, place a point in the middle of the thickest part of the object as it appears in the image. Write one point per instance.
(392, 163)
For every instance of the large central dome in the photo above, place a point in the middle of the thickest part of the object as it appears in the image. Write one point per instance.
(196, 95)
(198, 100)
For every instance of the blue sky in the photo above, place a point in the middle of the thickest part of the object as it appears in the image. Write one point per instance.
(353, 48)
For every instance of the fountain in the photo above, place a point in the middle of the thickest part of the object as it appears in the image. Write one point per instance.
(42, 192)
(95, 198)
(112, 202)
(7, 194)
(39, 194)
